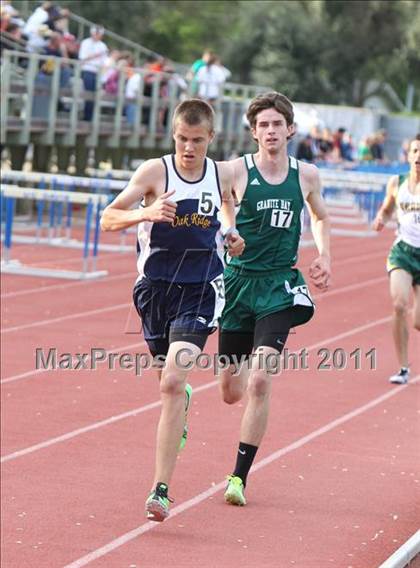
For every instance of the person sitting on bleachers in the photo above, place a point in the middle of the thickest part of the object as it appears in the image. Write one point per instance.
(110, 72)
(39, 17)
(11, 38)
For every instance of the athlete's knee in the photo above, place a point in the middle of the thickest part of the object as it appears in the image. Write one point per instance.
(172, 383)
(400, 305)
(259, 384)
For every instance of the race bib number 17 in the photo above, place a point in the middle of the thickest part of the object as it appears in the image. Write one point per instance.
(281, 218)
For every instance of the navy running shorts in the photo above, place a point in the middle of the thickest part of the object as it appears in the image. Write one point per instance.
(178, 312)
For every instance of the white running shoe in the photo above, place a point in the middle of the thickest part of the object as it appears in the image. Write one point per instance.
(401, 378)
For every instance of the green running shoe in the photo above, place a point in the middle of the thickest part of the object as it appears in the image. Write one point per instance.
(234, 493)
(188, 396)
(157, 504)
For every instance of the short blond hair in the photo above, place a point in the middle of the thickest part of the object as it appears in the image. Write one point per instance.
(193, 112)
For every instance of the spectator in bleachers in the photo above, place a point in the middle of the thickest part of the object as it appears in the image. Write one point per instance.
(347, 148)
(325, 145)
(60, 25)
(337, 151)
(304, 150)
(58, 19)
(154, 64)
(195, 67)
(110, 72)
(57, 48)
(39, 17)
(38, 39)
(10, 36)
(93, 52)
(7, 9)
(363, 153)
(9, 15)
(210, 78)
(132, 89)
(378, 147)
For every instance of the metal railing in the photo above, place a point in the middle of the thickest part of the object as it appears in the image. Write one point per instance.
(43, 99)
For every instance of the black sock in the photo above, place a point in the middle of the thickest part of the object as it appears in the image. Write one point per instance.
(246, 455)
(161, 489)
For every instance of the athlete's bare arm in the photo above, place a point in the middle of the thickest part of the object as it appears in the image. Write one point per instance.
(234, 241)
(240, 178)
(388, 206)
(147, 182)
(320, 269)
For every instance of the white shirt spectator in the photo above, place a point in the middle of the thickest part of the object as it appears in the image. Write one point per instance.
(132, 86)
(89, 48)
(36, 42)
(35, 20)
(210, 78)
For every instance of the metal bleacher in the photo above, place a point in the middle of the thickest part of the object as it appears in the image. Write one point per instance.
(40, 108)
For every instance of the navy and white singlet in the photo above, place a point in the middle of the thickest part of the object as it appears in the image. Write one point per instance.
(184, 251)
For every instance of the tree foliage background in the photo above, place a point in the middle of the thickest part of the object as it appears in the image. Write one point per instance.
(330, 51)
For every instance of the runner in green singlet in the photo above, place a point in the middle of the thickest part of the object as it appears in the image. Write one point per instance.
(265, 294)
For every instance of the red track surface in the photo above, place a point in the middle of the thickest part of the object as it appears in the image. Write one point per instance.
(336, 475)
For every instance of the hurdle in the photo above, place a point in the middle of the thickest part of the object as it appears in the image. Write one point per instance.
(100, 185)
(93, 202)
(61, 182)
(352, 199)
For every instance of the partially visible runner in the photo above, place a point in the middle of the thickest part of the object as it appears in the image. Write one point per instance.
(266, 295)
(403, 265)
(179, 293)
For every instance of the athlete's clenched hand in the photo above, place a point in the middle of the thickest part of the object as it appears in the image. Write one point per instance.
(320, 273)
(163, 209)
(235, 243)
(379, 222)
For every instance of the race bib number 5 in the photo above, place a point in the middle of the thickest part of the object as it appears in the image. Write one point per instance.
(206, 205)
(281, 218)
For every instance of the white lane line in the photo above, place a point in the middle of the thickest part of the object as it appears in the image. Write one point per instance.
(350, 287)
(94, 426)
(325, 295)
(112, 419)
(350, 260)
(121, 349)
(64, 286)
(405, 554)
(64, 318)
(197, 499)
(75, 259)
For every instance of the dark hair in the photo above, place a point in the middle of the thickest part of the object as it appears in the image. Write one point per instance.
(270, 100)
(193, 112)
(11, 28)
